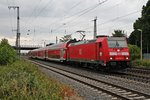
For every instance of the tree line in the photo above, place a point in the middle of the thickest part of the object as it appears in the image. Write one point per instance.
(141, 25)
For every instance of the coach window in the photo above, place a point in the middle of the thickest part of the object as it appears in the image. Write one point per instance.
(100, 45)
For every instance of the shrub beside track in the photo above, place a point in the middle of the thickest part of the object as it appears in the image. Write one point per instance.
(7, 53)
(141, 63)
(23, 80)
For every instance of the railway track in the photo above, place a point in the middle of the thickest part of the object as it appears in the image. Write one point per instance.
(137, 74)
(113, 91)
(143, 71)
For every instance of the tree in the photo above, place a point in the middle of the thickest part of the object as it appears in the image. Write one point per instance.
(142, 23)
(134, 51)
(4, 42)
(7, 53)
(118, 33)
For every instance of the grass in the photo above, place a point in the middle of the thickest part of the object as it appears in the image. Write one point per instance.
(141, 63)
(23, 81)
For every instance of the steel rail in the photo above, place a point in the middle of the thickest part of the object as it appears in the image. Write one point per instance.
(114, 90)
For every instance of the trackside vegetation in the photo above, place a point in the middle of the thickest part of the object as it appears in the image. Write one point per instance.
(134, 51)
(7, 53)
(22, 80)
(135, 57)
(141, 63)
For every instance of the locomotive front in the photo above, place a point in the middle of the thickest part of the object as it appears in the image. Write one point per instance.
(118, 52)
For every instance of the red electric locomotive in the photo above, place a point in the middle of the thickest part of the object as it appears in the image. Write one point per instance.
(106, 52)
(111, 52)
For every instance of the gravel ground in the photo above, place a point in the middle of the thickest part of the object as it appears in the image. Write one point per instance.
(142, 87)
(84, 91)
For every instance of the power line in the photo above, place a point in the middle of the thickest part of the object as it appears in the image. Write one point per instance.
(74, 6)
(41, 11)
(43, 8)
(120, 26)
(84, 12)
(77, 13)
(103, 9)
(10, 17)
(87, 10)
(34, 10)
(68, 12)
(119, 17)
(114, 19)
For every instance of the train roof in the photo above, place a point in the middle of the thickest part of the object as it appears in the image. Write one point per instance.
(61, 45)
(56, 46)
(116, 38)
(99, 39)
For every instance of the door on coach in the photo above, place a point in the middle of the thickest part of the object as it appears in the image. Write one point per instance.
(46, 54)
(100, 51)
(62, 52)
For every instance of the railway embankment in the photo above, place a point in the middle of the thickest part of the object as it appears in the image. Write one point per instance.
(23, 80)
(145, 63)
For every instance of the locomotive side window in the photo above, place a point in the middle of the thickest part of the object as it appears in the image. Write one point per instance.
(100, 45)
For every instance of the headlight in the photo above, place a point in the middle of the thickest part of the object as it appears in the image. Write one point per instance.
(111, 58)
(112, 53)
(125, 53)
(127, 58)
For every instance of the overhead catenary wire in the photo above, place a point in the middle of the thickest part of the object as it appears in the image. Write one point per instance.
(114, 19)
(12, 21)
(111, 19)
(75, 24)
(34, 10)
(57, 28)
(75, 15)
(87, 10)
(84, 12)
(10, 17)
(74, 6)
(41, 11)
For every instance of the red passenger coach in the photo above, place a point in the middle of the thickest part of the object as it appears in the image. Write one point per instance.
(56, 52)
(33, 53)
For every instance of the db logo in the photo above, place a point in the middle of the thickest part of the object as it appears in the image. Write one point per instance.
(80, 51)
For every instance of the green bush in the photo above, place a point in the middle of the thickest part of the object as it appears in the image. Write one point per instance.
(134, 51)
(7, 53)
(141, 63)
(23, 81)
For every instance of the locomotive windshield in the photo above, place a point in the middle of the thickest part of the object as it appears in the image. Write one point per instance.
(117, 42)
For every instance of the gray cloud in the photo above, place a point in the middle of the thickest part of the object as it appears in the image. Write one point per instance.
(45, 16)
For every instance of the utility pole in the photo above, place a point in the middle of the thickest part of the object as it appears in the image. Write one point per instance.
(56, 39)
(141, 43)
(18, 29)
(95, 28)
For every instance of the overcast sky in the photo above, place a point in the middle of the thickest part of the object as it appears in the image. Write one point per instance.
(43, 20)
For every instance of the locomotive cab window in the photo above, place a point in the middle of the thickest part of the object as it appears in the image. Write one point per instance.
(117, 42)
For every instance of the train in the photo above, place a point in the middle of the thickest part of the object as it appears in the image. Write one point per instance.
(101, 53)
